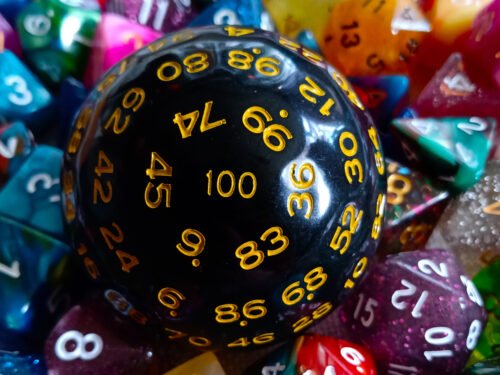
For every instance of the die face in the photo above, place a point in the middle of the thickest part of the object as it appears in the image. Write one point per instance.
(414, 206)
(469, 226)
(323, 355)
(240, 12)
(90, 339)
(164, 16)
(417, 312)
(16, 144)
(315, 354)
(56, 36)
(358, 36)
(293, 16)
(29, 263)
(452, 92)
(265, 172)
(117, 38)
(453, 150)
(23, 96)
(33, 195)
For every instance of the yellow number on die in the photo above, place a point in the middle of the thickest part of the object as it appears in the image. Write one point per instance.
(192, 118)
(352, 167)
(274, 135)
(307, 320)
(311, 90)
(379, 160)
(238, 31)
(313, 280)
(379, 216)
(397, 188)
(163, 190)
(357, 272)
(263, 338)
(351, 217)
(228, 313)
(133, 100)
(195, 63)
(251, 257)
(241, 60)
(113, 238)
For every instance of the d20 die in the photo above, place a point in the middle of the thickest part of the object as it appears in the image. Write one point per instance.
(417, 312)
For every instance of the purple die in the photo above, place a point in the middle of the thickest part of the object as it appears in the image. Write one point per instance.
(161, 15)
(9, 39)
(92, 339)
(418, 314)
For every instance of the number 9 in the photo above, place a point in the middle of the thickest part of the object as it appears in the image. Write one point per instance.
(352, 356)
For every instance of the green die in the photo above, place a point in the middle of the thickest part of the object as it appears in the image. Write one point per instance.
(56, 36)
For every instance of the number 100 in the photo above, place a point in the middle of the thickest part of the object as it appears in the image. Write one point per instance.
(226, 184)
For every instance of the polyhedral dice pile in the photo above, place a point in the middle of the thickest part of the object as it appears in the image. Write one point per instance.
(309, 187)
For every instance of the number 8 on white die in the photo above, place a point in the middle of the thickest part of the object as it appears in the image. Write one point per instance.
(80, 350)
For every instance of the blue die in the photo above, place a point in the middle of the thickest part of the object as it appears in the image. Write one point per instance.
(22, 96)
(235, 12)
(16, 144)
(17, 364)
(33, 195)
(32, 265)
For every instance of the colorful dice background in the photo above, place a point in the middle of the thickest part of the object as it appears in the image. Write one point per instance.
(406, 278)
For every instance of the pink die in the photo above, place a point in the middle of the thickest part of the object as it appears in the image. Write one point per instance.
(116, 37)
(481, 49)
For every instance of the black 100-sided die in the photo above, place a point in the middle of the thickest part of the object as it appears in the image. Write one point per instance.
(228, 182)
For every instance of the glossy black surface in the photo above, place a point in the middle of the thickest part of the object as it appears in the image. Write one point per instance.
(152, 235)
